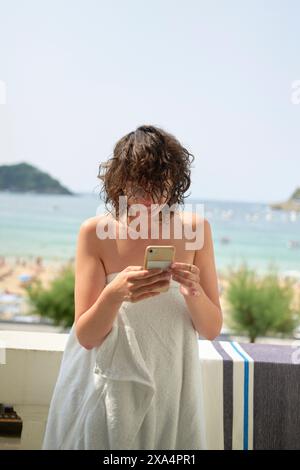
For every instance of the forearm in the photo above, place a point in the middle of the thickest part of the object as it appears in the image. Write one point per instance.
(207, 317)
(95, 324)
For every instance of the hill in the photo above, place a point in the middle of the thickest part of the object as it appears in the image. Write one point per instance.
(291, 204)
(24, 178)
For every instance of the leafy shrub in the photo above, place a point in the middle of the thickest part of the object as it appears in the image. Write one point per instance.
(57, 300)
(259, 305)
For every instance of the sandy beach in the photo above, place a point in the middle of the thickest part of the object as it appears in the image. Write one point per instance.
(14, 274)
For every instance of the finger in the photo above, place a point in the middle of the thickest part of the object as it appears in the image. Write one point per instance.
(144, 274)
(184, 281)
(186, 267)
(178, 265)
(144, 296)
(149, 281)
(154, 285)
(181, 272)
(153, 272)
(186, 275)
(134, 268)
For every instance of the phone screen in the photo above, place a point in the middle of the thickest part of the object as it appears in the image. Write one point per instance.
(158, 264)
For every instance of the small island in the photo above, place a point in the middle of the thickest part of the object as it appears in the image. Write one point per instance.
(292, 204)
(25, 178)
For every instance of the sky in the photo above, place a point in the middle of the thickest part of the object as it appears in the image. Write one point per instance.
(217, 74)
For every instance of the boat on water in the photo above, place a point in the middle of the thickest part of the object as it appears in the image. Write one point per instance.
(293, 244)
(225, 240)
(227, 214)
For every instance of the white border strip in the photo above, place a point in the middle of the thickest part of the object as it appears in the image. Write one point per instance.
(211, 364)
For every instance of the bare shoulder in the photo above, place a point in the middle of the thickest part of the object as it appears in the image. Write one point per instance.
(201, 229)
(93, 224)
(89, 231)
(205, 250)
(196, 220)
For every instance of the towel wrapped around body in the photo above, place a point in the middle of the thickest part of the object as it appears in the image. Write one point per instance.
(140, 389)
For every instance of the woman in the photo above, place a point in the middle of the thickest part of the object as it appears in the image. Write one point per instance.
(130, 376)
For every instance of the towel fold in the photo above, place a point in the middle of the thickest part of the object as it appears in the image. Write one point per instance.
(128, 388)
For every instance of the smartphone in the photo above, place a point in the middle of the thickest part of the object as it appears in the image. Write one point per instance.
(159, 256)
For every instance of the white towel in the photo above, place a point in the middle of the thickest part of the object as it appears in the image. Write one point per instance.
(141, 389)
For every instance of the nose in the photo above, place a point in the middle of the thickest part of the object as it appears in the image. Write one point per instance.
(145, 197)
(147, 201)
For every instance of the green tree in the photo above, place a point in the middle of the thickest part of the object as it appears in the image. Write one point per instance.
(57, 300)
(259, 305)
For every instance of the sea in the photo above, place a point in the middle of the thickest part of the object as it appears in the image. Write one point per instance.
(34, 225)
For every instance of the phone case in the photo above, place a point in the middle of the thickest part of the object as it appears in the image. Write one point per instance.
(159, 256)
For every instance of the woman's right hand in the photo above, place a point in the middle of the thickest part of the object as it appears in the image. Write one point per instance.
(135, 283)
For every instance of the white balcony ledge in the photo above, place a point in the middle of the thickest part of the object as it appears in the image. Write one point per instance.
(30, 362)
(29, 365)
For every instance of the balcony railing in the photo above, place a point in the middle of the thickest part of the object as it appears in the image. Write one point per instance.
(251, 391)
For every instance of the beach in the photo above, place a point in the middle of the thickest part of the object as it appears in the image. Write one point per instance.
(13, 274)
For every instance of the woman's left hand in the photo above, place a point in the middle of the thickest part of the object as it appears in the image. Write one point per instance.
(188, 275)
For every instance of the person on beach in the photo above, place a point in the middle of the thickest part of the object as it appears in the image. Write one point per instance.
(130, 375)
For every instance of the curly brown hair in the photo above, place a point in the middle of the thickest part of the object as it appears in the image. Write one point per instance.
(149, 157)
